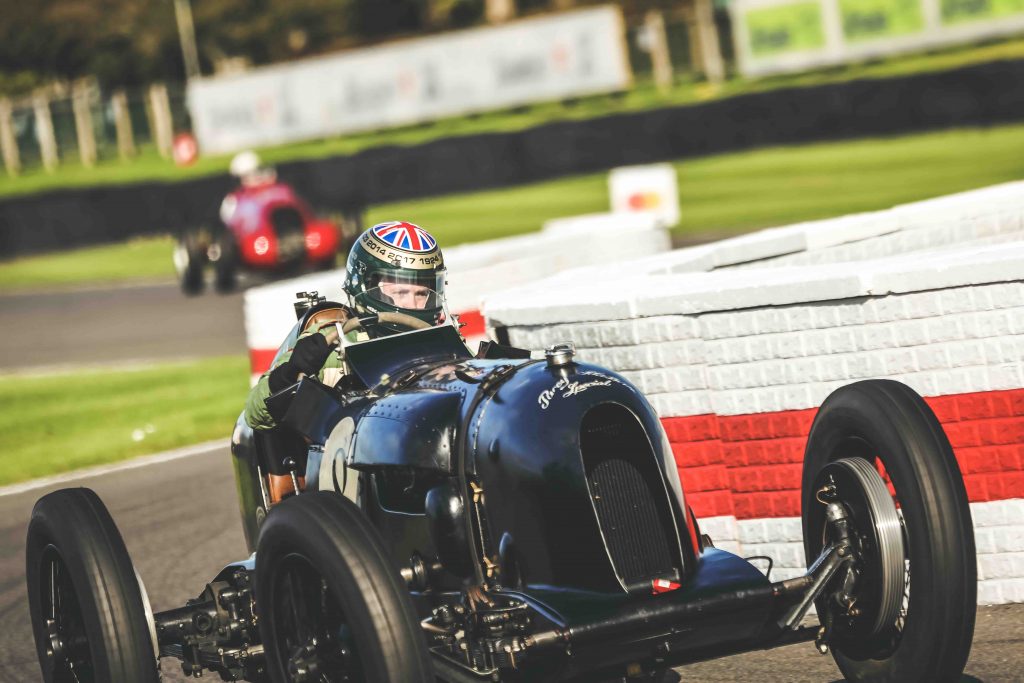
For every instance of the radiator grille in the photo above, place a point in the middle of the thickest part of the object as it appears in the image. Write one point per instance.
(629, 497)
(629, 519)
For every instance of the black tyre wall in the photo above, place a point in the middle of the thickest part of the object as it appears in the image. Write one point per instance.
(983, 94)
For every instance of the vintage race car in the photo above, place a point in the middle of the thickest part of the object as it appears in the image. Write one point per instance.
(439, 515)
(263, 228)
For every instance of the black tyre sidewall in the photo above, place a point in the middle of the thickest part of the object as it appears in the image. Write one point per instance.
(226, 267)
(338, 540)
(901, 430)
(77, 523)
(191, 278)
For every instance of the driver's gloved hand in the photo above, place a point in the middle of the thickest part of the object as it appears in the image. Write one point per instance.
(308, 357)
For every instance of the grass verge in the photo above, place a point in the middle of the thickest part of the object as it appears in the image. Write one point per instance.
(737, 192)
(138, 259)
(58, 423)
(727, 193)
(148, 165)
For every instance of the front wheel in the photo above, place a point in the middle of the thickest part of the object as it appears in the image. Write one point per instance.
(88, 607)
(333, 608)
(862, 433)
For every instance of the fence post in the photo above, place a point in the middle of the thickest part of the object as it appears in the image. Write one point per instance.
(160, 118)
(707, 38)
(123, 124)
(44, 131)
(8, 142)
(661, 60)
(498, 11)
(84, 131)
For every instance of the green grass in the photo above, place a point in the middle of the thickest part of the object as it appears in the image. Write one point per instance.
(137, 259)
(150, 166)
(736, 192)
(53, 424)
(727, 193)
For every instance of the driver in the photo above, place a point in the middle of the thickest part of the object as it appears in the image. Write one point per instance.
(394, 267)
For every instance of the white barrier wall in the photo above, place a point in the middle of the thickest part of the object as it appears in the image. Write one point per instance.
(736, 359)
(474, 271)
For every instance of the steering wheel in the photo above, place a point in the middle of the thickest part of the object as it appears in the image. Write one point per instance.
(387, 317)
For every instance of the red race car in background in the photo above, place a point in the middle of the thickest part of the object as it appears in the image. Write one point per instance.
(263, 226)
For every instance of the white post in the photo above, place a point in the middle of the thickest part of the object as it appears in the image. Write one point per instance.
(80, 106)
(499, 11)
(707, 34)
(661, 60)
(44, 131)
(160, 118)
(187, 36)
(123, 124)
(9, 144)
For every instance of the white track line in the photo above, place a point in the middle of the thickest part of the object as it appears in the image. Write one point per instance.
(134, 463)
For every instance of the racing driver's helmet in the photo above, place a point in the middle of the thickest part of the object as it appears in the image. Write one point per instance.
(250, 170)
(396, 267)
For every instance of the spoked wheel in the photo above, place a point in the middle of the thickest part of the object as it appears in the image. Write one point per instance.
(333, 608)
(89, 613)
(314, 634)
(914, 529)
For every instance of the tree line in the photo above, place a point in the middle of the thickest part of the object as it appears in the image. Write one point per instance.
(133, 42)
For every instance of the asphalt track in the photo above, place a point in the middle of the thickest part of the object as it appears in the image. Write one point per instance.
(52, 330)
(181, 525)
(179, 517)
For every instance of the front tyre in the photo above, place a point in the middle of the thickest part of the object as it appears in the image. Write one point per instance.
(886, 424)
(333, 608)
(89, 616)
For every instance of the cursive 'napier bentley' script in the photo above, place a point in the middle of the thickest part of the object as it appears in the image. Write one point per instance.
(572, 387)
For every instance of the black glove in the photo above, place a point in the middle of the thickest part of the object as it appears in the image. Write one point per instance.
(308, 356)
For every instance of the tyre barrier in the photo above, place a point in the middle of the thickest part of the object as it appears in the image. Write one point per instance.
(474, 271)
(737, 343)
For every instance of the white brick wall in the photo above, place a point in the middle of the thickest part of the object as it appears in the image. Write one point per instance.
(943, 311)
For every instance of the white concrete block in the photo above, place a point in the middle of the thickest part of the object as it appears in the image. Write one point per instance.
(730, 546)
(1002, 565)
(990, 593)
(1013, 589)
(1009, 539)
(723, 527)
(945, 329)
(788, 555)
(784, 573)
(992, 513)
(1000, 263)
(1005, 376)
(984, 541)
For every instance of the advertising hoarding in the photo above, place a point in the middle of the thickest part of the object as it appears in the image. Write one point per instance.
(533, 60)
(778, 36)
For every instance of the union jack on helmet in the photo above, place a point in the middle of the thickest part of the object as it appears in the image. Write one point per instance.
(391, 262)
